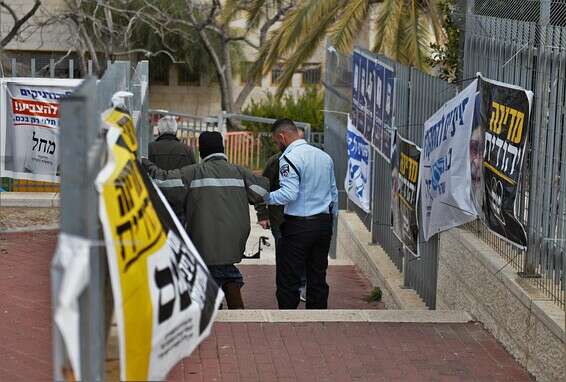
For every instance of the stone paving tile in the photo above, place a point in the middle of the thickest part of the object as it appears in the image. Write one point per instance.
(348, 288)
(348, 352)
(25, 306)
(258, 351)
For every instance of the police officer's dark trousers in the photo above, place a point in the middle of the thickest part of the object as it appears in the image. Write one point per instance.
(306, 242)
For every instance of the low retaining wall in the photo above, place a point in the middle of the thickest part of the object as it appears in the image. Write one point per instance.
(354, 241)
(472, 277)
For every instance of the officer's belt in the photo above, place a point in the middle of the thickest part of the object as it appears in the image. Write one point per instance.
(311, 217)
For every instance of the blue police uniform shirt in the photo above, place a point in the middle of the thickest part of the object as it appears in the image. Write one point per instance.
(312, 191)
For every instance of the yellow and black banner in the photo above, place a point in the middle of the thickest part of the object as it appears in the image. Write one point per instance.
(405, 163)
(165, 299)
(497, 150)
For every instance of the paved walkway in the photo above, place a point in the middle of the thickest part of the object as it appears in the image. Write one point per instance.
(376, 352)
(344, 351)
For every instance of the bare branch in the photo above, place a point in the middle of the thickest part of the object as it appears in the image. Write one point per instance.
(17, 22)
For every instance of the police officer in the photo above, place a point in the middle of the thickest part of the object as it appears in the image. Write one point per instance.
(271, 172)
(308, 192)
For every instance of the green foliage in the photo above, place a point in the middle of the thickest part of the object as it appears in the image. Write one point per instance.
(307, 107)
(375, 295)
(446, 57)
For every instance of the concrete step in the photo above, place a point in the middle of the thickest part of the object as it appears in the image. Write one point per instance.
(345, 315)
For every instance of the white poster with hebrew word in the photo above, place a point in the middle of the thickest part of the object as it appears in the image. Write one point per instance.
(29, 127)
(446, 198)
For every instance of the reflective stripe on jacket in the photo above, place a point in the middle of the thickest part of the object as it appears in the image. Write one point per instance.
(216, 206)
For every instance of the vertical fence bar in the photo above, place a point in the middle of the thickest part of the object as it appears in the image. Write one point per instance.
(78, 132)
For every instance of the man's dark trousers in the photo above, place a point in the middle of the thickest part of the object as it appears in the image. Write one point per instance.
(305, 244)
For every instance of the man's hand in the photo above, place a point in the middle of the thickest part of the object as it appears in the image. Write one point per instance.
(264, 224)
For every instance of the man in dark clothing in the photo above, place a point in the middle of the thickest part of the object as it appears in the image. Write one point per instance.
(217, 212)
(168, 153)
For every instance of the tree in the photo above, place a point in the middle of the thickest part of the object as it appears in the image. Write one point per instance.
(446, 58)
(178, 29)
(19, 21)
(404, 30)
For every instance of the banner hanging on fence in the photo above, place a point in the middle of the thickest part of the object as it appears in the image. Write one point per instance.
(446, 199)
(357, 182)
(29, 127)
(404, 192)
(373, 90)
(500, 132)
(164, 296)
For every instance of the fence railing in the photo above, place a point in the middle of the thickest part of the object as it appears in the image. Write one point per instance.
(525, 46)
(518, 45)
(246, 148)
(81, 162)
(417, 96)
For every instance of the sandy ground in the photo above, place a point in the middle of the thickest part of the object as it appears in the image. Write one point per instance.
(19, 217)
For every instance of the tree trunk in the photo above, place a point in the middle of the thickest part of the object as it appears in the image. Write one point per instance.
(229, 102)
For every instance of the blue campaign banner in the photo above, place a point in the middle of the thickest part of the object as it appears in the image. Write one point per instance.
(370, 99)
(373, 101)
(357, 181)
(355, 87)
(378, 110)
(388, 110)
(361, 123)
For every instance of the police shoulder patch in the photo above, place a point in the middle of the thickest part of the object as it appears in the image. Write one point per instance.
(284, 170)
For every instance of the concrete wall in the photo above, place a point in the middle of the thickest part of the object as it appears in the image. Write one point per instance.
(354, 241)
(472, 277)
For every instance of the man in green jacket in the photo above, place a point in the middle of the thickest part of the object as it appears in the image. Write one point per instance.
(216, 210)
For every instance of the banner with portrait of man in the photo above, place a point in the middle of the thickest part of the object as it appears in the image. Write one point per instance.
(497, 149)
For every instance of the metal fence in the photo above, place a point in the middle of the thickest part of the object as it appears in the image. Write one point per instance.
(417, 96)
(523, 45)
(246, 148)
(81, 162)
(526, 46)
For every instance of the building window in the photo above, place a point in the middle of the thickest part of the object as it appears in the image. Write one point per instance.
(276, 74)
(188, 75)
(159, 70)
(311, 75)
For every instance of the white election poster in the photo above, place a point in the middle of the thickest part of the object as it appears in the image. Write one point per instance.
(357, 182)
(165, 299)
(29, 127)
(446, 200)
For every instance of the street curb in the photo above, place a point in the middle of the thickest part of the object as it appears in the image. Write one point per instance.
(32, 228)
(30, 199)
(345, 315)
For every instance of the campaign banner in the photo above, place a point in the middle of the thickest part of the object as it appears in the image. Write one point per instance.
(165, 299)
(388, 102)
(29, 127)
(357, 182)
(382, 136)
(370, 99)
(500, 132)
(377, 136)
(356, 72)
(446, 199)
(404, 192)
